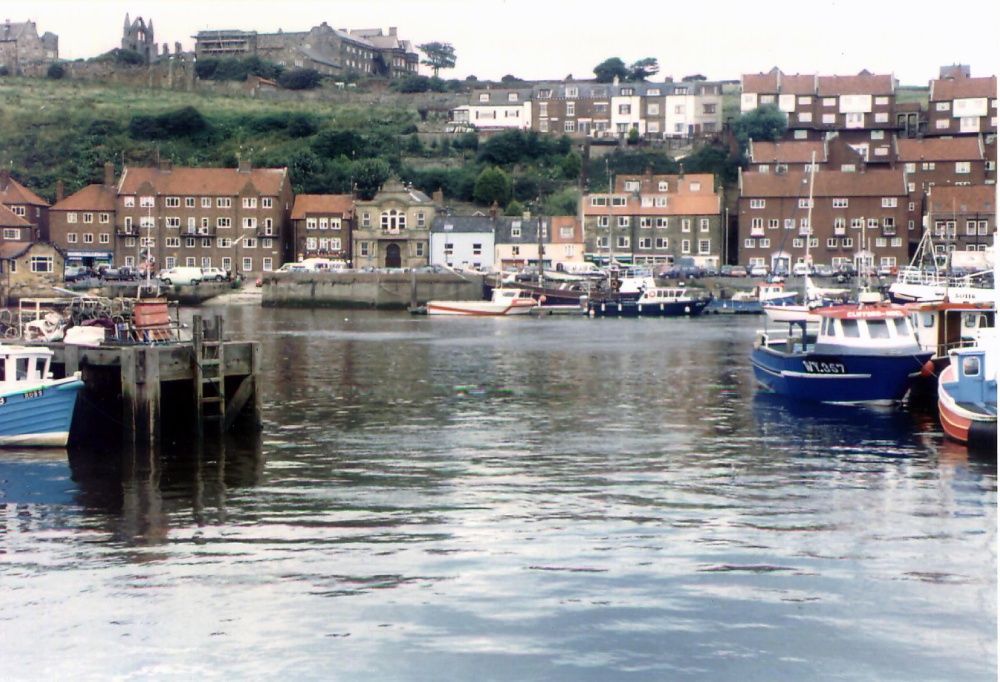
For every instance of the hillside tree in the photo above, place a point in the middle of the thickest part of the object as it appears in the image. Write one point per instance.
(609, 68)
(439, 56)
(644, 68)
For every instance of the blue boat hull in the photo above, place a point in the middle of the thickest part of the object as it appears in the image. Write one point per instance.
(38, 417)
(842, 378)
(632, 308)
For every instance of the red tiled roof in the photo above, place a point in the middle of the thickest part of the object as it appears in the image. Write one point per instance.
(10, 219)
(679, 204)
(675, 183)
(963, 199)
(939, 149)
(16, 193)
(203, 181)
(306, 204)
(862, 84)
(960, 88)
(90, 198)
(799, 151)
(825, 184)
(761, 82)
(9, 250)
(798, 84)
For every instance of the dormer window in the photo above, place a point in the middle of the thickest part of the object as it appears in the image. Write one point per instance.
(653, 92)
(663, 187)
(572, 91)
(484, 97)
(545, 94)
(628, 92)
(511, 96)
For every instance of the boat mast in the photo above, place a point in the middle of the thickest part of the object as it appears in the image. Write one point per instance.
(809, 208)
(611, 248)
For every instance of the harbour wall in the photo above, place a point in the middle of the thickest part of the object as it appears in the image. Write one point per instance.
(381, 290)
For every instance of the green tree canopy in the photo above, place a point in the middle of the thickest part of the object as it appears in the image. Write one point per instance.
(439, 56)
(515, 208)
(572, 164)
(492, 185)
(766, 123)
(300, 79)
(644, 68)
(369, 176)
(609, 68)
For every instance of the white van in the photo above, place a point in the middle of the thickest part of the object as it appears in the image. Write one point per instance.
(324, 265)
(180, 275)
(801, 269)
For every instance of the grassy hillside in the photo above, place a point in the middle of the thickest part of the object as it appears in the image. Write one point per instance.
(64, 130)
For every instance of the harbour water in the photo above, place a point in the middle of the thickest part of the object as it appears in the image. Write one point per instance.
(507, 499)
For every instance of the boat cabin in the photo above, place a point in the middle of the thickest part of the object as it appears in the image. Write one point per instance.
(943, 326)
(879, 326)
(24, 363)
(975, 380)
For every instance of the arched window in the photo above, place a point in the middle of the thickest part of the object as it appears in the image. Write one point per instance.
(393, 220)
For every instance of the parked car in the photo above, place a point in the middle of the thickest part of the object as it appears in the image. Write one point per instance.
(180, 275)
(738, 271)
(76, 273)
(121, 274)
(709, 271)
(759, 271)
(822, 270)
(217, 274)
(726, 271)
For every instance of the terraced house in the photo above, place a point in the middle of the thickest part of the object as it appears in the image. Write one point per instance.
(655, 219)
(233, 218)
(83, 224)
(855, 217)
(962, 105)
(321, 226)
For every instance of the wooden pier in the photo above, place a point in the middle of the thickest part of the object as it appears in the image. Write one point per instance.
(151, 392)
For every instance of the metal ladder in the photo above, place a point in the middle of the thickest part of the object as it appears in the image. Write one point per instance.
(209, 371)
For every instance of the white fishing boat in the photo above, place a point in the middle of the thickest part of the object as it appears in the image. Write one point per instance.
(503, 302)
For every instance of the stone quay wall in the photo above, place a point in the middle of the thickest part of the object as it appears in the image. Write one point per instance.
(380, 290)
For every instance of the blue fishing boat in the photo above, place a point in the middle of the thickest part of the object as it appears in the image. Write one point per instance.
(862, 353)
(35, 409)
(967, 395)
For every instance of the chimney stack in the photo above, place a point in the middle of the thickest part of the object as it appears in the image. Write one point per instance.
(60, 191)
(166, 165)
(4, 179)
(109, 174)
(244, 165)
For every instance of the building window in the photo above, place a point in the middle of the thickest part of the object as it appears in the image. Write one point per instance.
(172, 202)
(704, 247)
(147, 202)
(71, 238)
(249, 202)
(840, 203)
(128, 202)
(960, 167)
(804, 203)
(71, 217)
(206, 202)
(266, 202)
(662, 223)
(685, 224)
(88, 238)
(758, 203)
(41, 264)
(249, 223)
(172, 242)
(223, 222)
(624, 242)
(104, 238)
(686, 245)
(624, 221)
(888, 202)
(223, 202)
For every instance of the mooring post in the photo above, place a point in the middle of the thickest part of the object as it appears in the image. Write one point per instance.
(140, 376)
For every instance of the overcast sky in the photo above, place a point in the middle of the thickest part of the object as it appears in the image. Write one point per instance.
(550, 39)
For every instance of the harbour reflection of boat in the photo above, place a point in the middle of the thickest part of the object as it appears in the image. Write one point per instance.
(832, 425)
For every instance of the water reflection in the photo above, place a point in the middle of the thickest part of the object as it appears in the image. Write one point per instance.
(558, 499)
